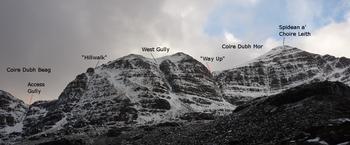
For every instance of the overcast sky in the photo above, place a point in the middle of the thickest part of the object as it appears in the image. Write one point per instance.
(55, 33)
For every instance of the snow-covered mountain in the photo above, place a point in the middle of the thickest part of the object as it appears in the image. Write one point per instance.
(279, 69)
(138, 91)
(132, 90)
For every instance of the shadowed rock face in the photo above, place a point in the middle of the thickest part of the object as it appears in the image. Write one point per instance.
(12, 113)
(307, 114)
(12, 110)
(189, 76)
(280, 69)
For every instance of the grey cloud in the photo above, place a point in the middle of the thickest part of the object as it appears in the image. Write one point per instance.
(56, 33)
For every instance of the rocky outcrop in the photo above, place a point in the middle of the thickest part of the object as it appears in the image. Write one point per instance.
(12, 110)
(12, 113)
(189, 76)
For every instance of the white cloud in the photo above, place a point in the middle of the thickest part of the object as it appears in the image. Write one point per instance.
(304, 11)
(231, 38)
(250, 2)
(332, 39)
(271, 43)
(347, 16)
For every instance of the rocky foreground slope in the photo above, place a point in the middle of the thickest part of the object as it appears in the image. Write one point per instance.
(313, 114)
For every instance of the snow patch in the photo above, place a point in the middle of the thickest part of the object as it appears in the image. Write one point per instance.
(18, 127)
(317, 140)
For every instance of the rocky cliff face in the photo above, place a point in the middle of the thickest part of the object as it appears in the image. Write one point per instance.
(279, 69)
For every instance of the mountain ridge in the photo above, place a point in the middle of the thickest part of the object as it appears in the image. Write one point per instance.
(130, 91)
(134, 90)
(279, 69)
